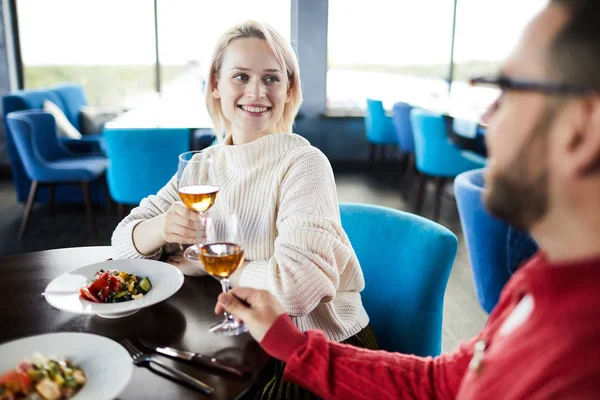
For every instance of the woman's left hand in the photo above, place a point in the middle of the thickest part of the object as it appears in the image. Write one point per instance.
(189, 268)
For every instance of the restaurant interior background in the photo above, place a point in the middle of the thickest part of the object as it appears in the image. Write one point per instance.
(153, 54)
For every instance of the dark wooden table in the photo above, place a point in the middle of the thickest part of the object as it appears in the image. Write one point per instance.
(181, 321)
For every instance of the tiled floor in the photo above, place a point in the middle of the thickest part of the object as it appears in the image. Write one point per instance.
(463, 317)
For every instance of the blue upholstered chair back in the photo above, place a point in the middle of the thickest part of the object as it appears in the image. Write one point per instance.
(379, 127)
(43, 156)
(485, 236)
(73, 98)
(30, 128)
(401, 119)
(435, 154)
(406, 261)
(142, 160)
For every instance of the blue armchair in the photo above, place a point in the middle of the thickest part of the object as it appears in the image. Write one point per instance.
(380, 130)
(485, 236)
(47, 162)
(436, 156)
(406, 261)
(142, 161)
(69, 98)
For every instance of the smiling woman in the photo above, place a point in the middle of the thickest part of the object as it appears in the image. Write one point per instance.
(280, 187)
(255, 71)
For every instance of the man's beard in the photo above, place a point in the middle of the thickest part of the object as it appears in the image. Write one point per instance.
(519, 193)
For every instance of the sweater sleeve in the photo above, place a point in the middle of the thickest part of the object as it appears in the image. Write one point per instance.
(311, 249)
(336, 371)
(150, 207)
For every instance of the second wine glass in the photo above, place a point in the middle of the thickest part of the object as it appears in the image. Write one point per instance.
(195, 186)
(221, 253)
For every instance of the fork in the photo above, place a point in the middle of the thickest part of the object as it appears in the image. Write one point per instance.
(140, 358)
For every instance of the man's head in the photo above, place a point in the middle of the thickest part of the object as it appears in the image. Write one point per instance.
(544, 145)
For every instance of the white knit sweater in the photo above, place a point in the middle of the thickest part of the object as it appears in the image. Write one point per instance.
(283, 192)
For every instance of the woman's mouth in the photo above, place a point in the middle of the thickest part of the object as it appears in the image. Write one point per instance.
(255, 110)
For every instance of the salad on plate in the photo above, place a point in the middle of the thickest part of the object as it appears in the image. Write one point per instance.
(115, 286)
(42, 378)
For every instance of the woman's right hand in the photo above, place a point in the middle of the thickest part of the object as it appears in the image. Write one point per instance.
(181, 224)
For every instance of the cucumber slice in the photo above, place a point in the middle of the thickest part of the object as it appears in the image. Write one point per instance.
(145, 285)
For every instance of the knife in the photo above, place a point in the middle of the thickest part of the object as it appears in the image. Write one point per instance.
(212, 362)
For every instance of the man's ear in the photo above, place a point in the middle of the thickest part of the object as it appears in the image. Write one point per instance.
(584, 144)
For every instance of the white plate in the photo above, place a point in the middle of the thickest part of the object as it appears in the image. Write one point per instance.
(107, 365)
(63, 292)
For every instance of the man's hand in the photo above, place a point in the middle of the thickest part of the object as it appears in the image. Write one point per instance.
(258, 309)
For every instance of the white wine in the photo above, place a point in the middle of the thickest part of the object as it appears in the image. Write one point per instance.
(199, 197)
(221, 259)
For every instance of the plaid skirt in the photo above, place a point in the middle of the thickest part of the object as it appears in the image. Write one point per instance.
(277, 388)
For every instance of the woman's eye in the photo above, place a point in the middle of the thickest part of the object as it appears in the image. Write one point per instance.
(241, 77)
(271, 79)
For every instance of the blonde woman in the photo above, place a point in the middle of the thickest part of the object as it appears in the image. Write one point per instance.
(282, 190)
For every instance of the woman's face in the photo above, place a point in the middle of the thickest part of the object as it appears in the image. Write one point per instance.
(252, 88)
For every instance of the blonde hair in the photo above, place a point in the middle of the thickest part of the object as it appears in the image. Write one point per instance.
(285, 56)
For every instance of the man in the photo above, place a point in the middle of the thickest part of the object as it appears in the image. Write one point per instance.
(542, 341)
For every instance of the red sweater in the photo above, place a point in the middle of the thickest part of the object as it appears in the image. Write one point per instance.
(552, 350)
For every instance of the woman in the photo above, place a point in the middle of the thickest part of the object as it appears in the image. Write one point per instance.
(281, 188)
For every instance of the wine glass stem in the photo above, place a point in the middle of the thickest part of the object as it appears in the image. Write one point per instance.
(225, 287)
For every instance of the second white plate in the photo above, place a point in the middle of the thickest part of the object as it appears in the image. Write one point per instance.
(106, 364)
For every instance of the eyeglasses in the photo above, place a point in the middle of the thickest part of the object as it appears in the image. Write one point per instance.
(552, 88)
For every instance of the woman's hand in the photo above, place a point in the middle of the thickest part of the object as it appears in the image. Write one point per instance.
(189, 268)
(181, 224)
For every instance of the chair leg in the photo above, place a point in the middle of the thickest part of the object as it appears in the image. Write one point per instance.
(51, 205)
(440, 182)
(411, 164)
(422, 181)
(88, 206)
(109, 201)
(371, 156)
(121, 211)
(28, 207)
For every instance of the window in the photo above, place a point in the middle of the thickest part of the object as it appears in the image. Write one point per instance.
(486, 33)
(388, 50)
(107, 46)
(188, 31)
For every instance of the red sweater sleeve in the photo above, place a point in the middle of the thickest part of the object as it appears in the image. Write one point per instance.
(335, 371)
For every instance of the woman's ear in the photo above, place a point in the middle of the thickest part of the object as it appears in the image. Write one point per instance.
(214, 84)
(288, 95)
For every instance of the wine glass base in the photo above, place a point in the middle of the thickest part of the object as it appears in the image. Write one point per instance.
(228, 327)
(191, 253)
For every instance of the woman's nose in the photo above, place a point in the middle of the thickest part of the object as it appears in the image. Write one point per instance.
(255, 90)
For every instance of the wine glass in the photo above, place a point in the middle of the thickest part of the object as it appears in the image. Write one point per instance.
(221, 253)
(195, 188)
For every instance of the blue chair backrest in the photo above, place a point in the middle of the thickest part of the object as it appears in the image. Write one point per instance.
(72, 97)
(401, 119)
(485, 236)
(34, 134)
(406, 261)
(379, 127)
(141, 161)
(435, 154)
